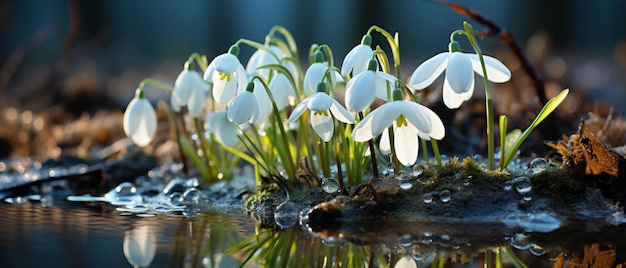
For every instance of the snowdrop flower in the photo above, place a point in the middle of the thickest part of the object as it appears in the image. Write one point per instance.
(140, 246)
(189, 90)
(356, 61)
(244, 107)
(140, 120)
(282, 90)
(409, 121)
(323, 108)
(262, 57)
(460, 67)
(224, 130)
(362, 88)
(227, 75)
(316, 74)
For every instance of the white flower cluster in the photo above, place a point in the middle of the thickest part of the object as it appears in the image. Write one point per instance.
(272, 82)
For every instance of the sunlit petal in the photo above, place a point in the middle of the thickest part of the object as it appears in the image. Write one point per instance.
(323, 125)
(298, 111)
(386, 115)
(244, 108)
(406, 144)
(195, 104)
(242, 78)
(281, 89)
(223, 89)
(341, 113)
(313, 76)
(451, 99)
(226, 63)
(356, 60)
(437, 130)
(459, 72)
(360, 91)
(415, 114)
(224, 130)
(428, 71)
(140, 121)
(496, 70)
(320, 102)
(384, 146)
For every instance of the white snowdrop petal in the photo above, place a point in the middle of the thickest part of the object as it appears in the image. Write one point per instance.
(384, 118)
(383, 87)
(195, 104)
(226, 63)
(428, 71)
(357, 60)
(146, 125)
(174, 103)
(320, 102)
(243, 108)
(298, 111)
(360, 91)
(281, 87)
(437, 129)
(414, 114)
(496, 70)
(208, 73)
(323, 125)
(140, 246)
(341, 113)
(363, 130)
(406, 144)
(264, 102)
(459, 72)
(183, 85)
(451, 99)
(384, 146)
(313, 76)
(132, 114)
(225, 131)
(224, 90)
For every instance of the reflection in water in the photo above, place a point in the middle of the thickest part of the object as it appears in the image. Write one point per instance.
(140, 246)
(99, 236)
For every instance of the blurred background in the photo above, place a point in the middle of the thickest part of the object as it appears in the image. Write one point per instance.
(89, 55)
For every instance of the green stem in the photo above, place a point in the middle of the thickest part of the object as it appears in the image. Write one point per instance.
(393, 43)
(503, 126)
(469, 32)
(372, 153)
(157, 83)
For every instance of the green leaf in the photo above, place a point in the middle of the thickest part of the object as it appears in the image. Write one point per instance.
(550, 106)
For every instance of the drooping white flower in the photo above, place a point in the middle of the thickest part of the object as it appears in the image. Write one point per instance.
(228, 76)
(282, 90)
(409, 120)
(189, 90)
(459, 80)
(356, 61)
(316, 73)
(140, 120)
(140, 246)
(244, 108)
(323, 109)
(362, 88)
(225, 131)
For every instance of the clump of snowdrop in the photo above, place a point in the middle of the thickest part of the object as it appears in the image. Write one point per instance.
(286, 122)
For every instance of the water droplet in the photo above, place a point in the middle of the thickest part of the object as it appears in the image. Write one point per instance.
(537, 250)
(125, 188)
(457, 176)
(416, 253)
(507, 186)
(57, 172)
(445, 196)
(161, 209)
(176, 199)
(286, 214)
(405, 181)
(133, 208)
(522, 184)
(538, 164)
(417, 170)
(527, 196)
(191, 196)
(405, 241)
(428, 198)
(540, 222)
(390, 168)
(79, 168)
(520, 241)
(16, 200)
(330, 185)
(466, 182)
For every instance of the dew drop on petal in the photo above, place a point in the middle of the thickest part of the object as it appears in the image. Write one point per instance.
(428, 198)
(538, 164)
(286, 214)
(445, 196)
(330, 185)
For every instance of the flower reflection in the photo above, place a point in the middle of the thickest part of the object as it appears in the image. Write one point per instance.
(140, 246)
